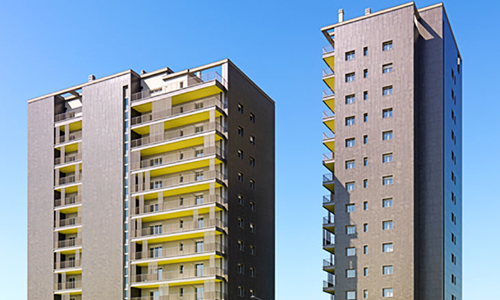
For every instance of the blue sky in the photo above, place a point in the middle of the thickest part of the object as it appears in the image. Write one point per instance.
(50, 45)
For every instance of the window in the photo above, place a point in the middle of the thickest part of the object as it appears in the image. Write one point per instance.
(453, 238)
(365, 294)
(181, 269)
(387, 270)
(453, 259)
(387, 292)
(386, 158)
(252, 272)
(252, 227)
(351, 229)
(365, 51)
(387, 68)
(365, 227)
(252, 292)
(365, 183)
(198, 153)
(252, 161)
(351, 251)
(240, 131)
(387, 135)
(240, 223)
(241, 291)
(453, 279)
(350, 208)
(387, 90)
(350, 273)
(387, 225)
(240, 177)
(240, 154)
(350, 99)
(387, 113)
(387, 180)
(241, 246)
(350, 143)
(252, 206)
(252, 140)
(350, 121)
(240, 108)
(350, 164)
(387, 202)
(252, 250)
(386, 46)
(350, 77)
(350, 55)
(453, 218)
(252, 118)
(241, 269)
(252, 184)
(365, 73)
(365, 117)
(365, 249)
(350, 186)
(365, 205)
(240, 200)
(365, 95)
(387, 247)
(350, 295)
(199, 175)
(365, 272)
(365, 161)
(365, 139)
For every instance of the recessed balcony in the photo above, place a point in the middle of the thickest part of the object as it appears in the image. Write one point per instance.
(68, 243)
(186, 274)
(73, 114)
(68, 158)
(185, 296)
(169, 229)
(68, 264)
(70, 285)
(69, 179)
(71, 137)
(160, 253)
(70, 200)
(179, 203)
(69, 222)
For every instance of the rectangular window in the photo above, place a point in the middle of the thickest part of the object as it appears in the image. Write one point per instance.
(351, 251)
(252, 206)
(240, 200)
(350, 295)
(240, 154)
(387, 180)
(240, 223)
(365, 183)
(365, 139)
(241, 291)
(350, 208)
(350, 186)
(365, 95)
(387, 90)
(365, 161)
(350, 164)
(350, 55)
(365, 227)
(386, 158)
(365, 272)
(350, 77)
(365, 117)
(241, 269)
(252, 118)
(387, 270)
(350, 121)
(365, 51)
(387, 247)
(386, 46)
(252, 140)
(387, 293)
(365, 205)
(387, 68)
(387, 135)
(252, 228)
(252, 161)
(350, 143)
(350, 273)
(350, 99)
(240, 108)
(365, 73)
(387, 202)
(241, 246)
(252, 184)
(365, 249)
(240, 177)
(365, 294)
(387, 113)
(252, 274)
(240, 131)
(387, 225)
(351, 229)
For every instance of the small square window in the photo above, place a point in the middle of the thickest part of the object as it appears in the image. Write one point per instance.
(365, 51)
(387, 202)
(365, 117)
(388, 247)
(240, 131)
(350, 99)
(351, 229)
(387, 113)
(252, 140)
(350, 273)
(387, 68)
(365, 73)
(387, 270)
(365, 95)
(252, 118)
(387, 225)
(387, 135)
(350, 186)
(351, 251)
(350, 121)
(240, 108)
(350, 77)
(387, 180)
(387, 293)
(350, 143)
(350, 208)
(350, 295)
(350, 55)
(387, 158)
(386, 46)
(240, 154)
(386, 91)
(350, 164)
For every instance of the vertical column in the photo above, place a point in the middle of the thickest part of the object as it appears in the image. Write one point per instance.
(147, 179)
(63, 196)
(62, 154)
(140, 181)
(160, 201)
(164, 290)
(156, 132)
(195, 218)
(225, 75)
(77, 172)
(141, 204)
(66, 133)
(139, 228)
(58, 260)
(58, 135)
(145, 249)
(135, 160)
(58, 218)
(56, 175)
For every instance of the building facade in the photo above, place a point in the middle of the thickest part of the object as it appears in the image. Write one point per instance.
(393, 225)
(152, 186)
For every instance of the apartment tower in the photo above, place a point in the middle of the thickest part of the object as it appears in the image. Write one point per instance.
(393, 225)
(153, 186)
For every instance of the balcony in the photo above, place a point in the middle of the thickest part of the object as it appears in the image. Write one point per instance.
(70, 158)
(329, 243)
(68, 243)
(69, 179)
(68, 201)
(329, 182)
(72, 136)
(76, 113)
(73, 285)
(329, 56)
(175, 180)
(191, 273)
(186, 202)
(329, 161)
(178, 109)
(329, 287)
(329, 140)
(185, 296)
(328, 203)
(329, 119)
(328, 266)
(329, 223)
(178, 156)
(169, 252)
(329, 99)
(178, 133)
(68, 264)
(162, 230)
(68, 222)
(192, 81)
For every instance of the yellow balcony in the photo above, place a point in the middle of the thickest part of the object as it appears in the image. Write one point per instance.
(329, 140)
(329, 119)
(329, 99)
(72, 137)
(329, 161)
(329, 78)
(188, 276)
(185, 296)
(170, 255)
(329, 56)
(175, 205)
(160, 233)
(68, 159)
(69, 204)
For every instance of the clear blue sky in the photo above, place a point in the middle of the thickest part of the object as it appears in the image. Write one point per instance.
(50, 45)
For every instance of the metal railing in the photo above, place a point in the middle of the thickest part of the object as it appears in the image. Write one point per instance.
(69, 179)
(328, 72)
(327, 199)
(68, 158)
(68, 201)
(175, 275)
(192, 81)
(328, 156)
(177, 156)
(328, 285)
(328, 114)
(329, 241)
(327, 263)
(328, 49)
(67, 264)
(328, 221)
(328, 135)
(68, 243)
(179, 179)
(178, 109)
(178, 133)
(177, 228)
(328, 177)
(77, 112)
(178, 203)
(176, 251)
(68, 222)
(328, 93)
(73, 285)
(72, 136)
(185, 296)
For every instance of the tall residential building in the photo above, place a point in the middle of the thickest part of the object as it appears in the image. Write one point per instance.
(155, 186)
(393, 225)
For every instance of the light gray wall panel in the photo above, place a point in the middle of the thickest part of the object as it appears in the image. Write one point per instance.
(40, 199)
